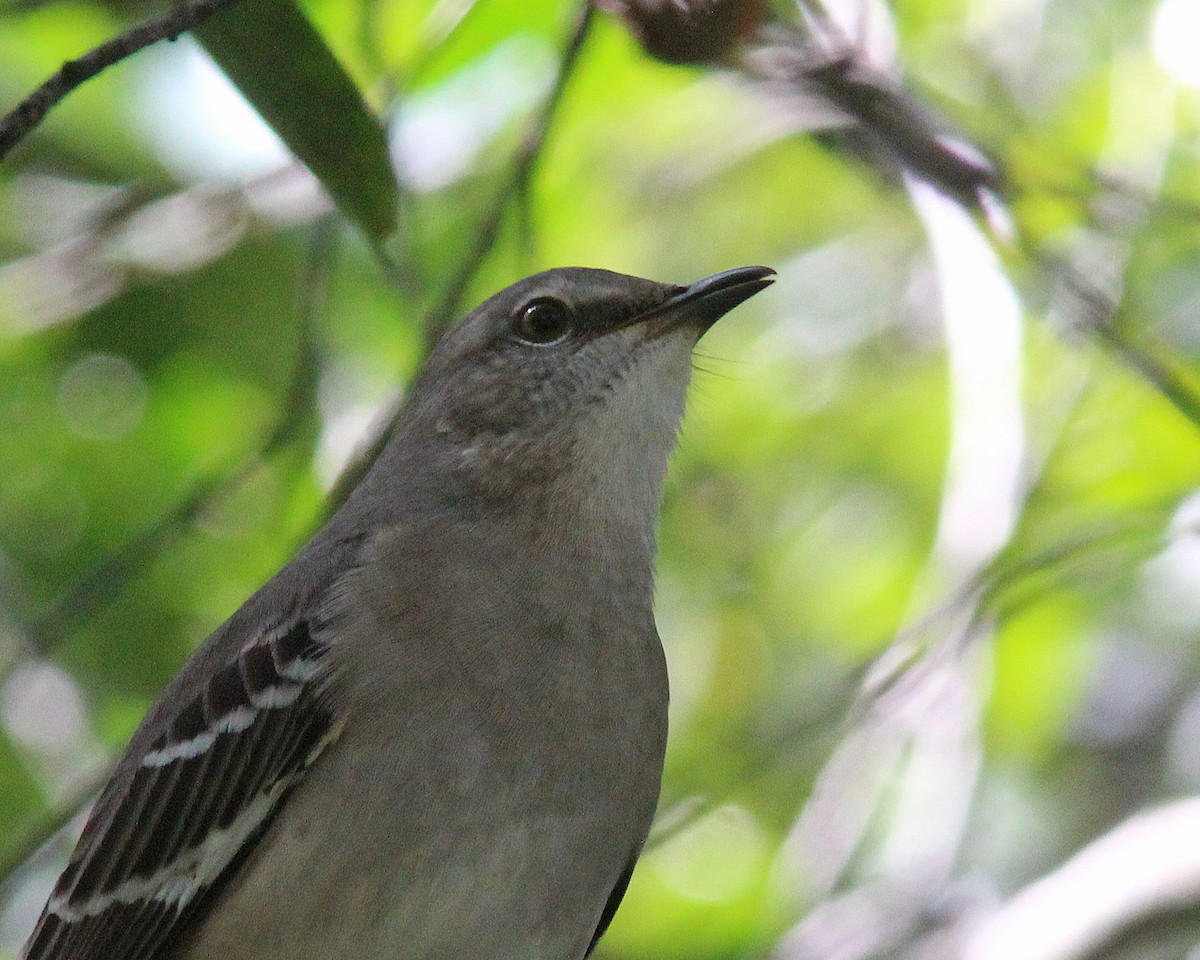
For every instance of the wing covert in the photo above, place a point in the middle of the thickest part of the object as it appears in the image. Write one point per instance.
(196, 799)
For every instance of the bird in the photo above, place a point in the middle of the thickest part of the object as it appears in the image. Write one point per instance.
(438, 732)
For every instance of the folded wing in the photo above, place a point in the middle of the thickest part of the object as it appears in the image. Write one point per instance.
(165, 835)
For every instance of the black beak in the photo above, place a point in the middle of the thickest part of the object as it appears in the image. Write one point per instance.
(706, 301)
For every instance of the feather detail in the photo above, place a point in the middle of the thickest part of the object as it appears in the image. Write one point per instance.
(202, 792)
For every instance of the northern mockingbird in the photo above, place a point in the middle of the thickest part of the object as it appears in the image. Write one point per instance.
(438, 732)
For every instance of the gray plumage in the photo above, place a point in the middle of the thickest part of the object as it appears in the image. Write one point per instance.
(438, 733)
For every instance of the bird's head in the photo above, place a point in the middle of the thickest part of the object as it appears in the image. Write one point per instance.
(572, 374)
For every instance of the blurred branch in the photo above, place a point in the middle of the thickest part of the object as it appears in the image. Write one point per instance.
(440, 24)
(442, 313)
(889, 127)
(25, 116)
(871, 836)
(517, 184)
(1110, 197)
(107, 580)
(986, 589)
(1037, 574)
(812, 59)
(1156, 370)
(899, 128)
(1146, 865)
(1098, 314)
(765, 759)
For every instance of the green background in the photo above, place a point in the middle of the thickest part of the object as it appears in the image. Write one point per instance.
(891, 716)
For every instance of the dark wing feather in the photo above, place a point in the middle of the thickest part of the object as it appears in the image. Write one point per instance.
(184, 809)
(614, 901)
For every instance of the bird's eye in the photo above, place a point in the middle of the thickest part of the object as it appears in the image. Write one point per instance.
(543, 321)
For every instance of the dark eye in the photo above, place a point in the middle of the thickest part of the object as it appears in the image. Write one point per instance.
(543, 321)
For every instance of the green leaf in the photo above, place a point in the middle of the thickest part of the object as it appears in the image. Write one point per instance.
(277, 59)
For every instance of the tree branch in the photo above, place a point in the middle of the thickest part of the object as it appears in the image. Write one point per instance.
(106, 581)
(27, 114)
(515, 186)
(1142, 866)
(1098, 316)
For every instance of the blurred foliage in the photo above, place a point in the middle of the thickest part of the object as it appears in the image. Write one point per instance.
(929, 571)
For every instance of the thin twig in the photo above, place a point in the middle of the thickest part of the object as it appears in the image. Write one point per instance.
(893, 130)
(515, 186)
(517, 183)
(27, 114)
(106, 581)
(1101, 322)
(1155, 370)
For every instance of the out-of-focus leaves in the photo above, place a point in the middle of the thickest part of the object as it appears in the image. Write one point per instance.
(148, 339)
(277, 59)
(706, 891)
(20, 794)
(1042, 654)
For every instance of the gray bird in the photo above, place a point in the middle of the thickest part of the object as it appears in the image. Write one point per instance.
(438, 732)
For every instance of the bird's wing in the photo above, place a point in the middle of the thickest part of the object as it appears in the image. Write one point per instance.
(183, 810)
